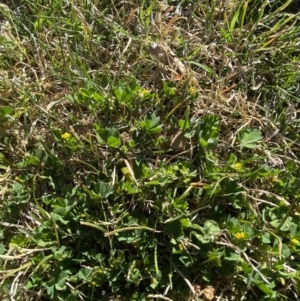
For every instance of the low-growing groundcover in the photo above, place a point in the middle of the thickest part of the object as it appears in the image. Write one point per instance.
(149, 150)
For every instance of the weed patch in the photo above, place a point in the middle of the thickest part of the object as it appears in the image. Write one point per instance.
(149, 150)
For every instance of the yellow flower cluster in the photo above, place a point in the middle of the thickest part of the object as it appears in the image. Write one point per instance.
(294, 241)
(143, 93)
(239, 235)
(18, 179)
(65, 136)
(192, 90)
(238, 166)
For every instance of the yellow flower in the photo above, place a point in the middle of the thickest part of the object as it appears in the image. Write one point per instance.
(192, 90)
(65, 136)
(143, 93)
(239, 235)
(237, 166)
(275, 179)
(294, 241)
(18, 179)
(180, 246)
(93, 283)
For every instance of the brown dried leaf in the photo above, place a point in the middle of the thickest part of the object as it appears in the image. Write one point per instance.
(209, 293)
(177, 141)
(166, 56)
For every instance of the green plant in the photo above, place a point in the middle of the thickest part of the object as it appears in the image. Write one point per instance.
(130, 174)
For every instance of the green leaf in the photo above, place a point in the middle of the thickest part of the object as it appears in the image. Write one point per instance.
(59, 253)
(183, 124)
(130, 187)
(233, 257)
(202, 238)
(151, 125)
(169, 90)
(209, 131)
(2, 248)
(248, 230)
(232, 159)
(50, 287)
(234, 20)
(185, 222)
(62, 211)
(97, 97)
(5, 111)
(246, 267)
(286, 225)
(266, 238)
(204, 67)
(213, 256)
(73, 296)
(296, 187)
(180, 204)
(226, 35)
(104, 134)
(19, 241)
(113, 142)
(85, 274)
(267, 289)
(293, 230)
(250, 139)
(4, 163)
(174, 229)
(60, 284)
(186, 260)
(103, 189)
(211, 228)
(123, 94)
(232, 188)
(59, 213)
(286, 252)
